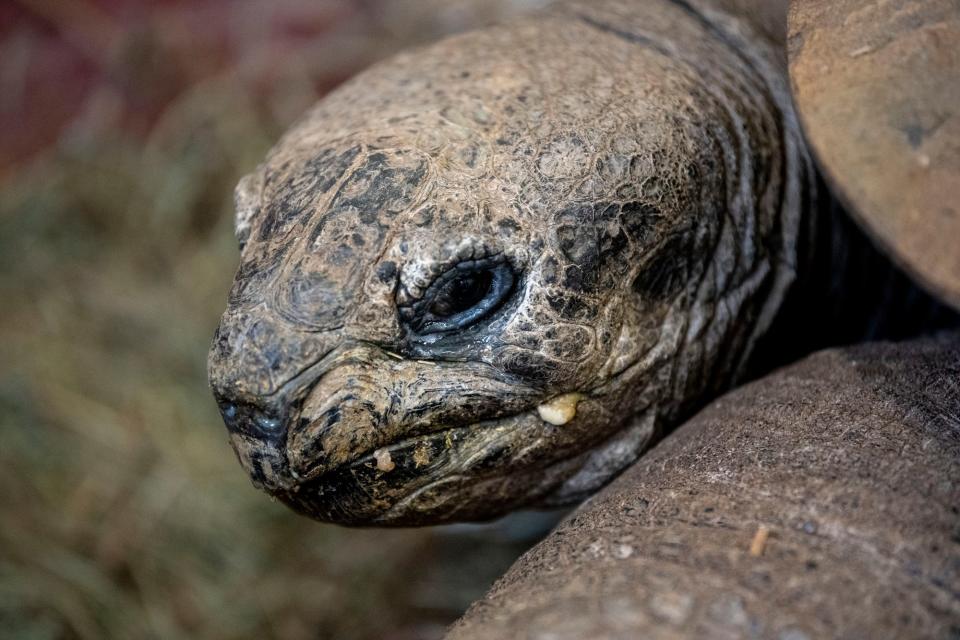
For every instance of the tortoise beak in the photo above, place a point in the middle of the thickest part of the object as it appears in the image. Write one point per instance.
(259, 370)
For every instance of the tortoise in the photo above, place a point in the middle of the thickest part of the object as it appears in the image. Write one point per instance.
(836, 518)
(489, 273)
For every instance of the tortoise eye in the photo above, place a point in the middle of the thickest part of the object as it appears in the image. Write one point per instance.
(464, 295)
(461, 294)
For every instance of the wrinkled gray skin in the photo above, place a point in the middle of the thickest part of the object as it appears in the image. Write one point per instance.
(634, 167)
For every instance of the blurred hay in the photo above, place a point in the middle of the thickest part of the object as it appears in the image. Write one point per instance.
(122, 511)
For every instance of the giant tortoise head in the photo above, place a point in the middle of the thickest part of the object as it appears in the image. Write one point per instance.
(484, 274)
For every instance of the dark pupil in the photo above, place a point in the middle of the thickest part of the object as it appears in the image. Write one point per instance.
(461, 293)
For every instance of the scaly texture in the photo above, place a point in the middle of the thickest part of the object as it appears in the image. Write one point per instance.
(848, 460)
(624, 178)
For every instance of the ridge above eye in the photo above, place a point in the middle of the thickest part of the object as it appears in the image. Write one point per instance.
(462, 296)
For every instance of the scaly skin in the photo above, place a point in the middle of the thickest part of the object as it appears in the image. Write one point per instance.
(637, 170)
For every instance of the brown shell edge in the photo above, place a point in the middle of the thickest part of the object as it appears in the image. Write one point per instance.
(877, 87)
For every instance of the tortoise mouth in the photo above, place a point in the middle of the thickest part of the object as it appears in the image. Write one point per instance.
(475, 471)
(366, 409)
(380, 486)
(415, 448)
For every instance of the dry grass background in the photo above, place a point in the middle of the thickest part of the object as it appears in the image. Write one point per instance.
(123, 513)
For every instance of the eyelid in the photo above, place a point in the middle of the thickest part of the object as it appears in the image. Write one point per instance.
(500, 286)
(452, 271)
(425, 262)
(416, 313)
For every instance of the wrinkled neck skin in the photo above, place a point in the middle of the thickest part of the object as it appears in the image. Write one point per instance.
(847, 291)
(752, 219)
(632, 171)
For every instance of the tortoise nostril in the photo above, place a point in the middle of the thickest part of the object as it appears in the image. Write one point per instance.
(252, 421)
(267, 423)
(228, 411)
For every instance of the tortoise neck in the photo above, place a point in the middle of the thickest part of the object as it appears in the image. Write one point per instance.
(866, 296)
(847, 291)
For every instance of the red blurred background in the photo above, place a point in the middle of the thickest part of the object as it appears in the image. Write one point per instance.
(122, 511)
(63, 58)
